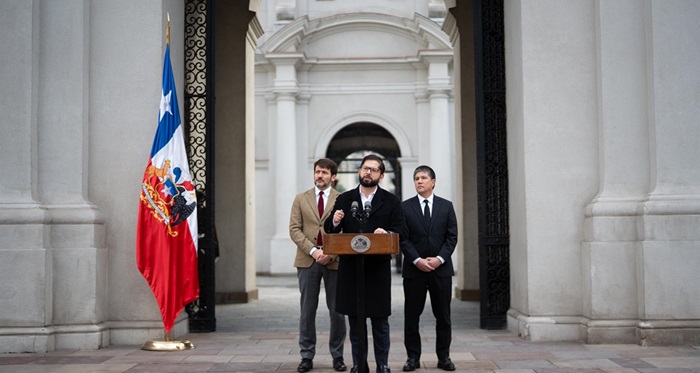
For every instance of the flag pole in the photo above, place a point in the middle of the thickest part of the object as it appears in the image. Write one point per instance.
(168, 344)
(167, 31)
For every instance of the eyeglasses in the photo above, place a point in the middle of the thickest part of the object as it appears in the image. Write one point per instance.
(370, 169)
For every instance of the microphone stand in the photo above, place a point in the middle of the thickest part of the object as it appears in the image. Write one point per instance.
(361, 322)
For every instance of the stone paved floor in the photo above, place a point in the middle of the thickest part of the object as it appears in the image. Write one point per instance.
(262, 337)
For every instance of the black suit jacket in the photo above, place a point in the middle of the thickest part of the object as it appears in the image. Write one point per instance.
(387, 214)
(437, 239)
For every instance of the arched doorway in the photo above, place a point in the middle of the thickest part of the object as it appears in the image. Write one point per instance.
(347, 146)
(354, 141)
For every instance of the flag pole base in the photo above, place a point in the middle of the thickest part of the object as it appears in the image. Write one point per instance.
(167, 345)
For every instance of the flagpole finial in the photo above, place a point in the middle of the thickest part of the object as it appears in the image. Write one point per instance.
(167, 31)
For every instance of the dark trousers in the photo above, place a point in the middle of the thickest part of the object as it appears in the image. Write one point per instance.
(440, 290)
(310, 287)
(380, 334)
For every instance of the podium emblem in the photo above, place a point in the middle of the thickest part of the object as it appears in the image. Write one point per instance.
(360, 244)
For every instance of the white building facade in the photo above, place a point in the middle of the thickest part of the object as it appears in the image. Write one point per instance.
(381, 63)
(602, 133)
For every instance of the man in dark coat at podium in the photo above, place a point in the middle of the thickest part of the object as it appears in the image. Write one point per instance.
(384, 216)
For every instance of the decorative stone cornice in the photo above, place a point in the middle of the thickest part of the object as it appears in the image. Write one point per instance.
(294, 35)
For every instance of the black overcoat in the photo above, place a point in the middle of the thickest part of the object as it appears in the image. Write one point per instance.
(386, 214)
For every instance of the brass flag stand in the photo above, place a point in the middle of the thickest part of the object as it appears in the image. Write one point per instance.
(167, 345)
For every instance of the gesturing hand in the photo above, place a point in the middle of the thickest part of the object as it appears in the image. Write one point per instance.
(338, 216)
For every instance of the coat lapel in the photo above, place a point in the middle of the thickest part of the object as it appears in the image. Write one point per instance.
(311, 200)
(377, 200)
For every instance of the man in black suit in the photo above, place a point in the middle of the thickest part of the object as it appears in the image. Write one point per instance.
(386, 216)
(427, 267)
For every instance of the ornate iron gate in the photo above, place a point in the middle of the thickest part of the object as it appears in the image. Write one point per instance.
(492, 163)
(199, 122)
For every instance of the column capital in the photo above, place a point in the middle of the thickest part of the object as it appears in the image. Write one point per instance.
(286, 58)
(436, 56)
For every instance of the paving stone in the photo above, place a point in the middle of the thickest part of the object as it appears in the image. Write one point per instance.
(262, 336)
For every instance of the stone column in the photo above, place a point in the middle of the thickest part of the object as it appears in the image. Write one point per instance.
(26, 302)
(670, 254)
(441, 127)
(284, 166)
(76, 227)
(553, 167)
(236, 35)
(611, 218)
(459, 25)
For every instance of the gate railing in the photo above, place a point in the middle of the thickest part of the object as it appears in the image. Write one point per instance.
(199, 117)
(492, 163)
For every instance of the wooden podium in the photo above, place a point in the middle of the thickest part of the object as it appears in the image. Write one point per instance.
(360, 243)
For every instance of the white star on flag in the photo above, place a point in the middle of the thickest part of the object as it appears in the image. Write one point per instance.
(165, 105)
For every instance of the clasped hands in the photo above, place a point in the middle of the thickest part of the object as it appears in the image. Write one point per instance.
(428, 264)
(320, 257)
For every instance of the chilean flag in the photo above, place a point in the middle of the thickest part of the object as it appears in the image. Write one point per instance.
(166, 232)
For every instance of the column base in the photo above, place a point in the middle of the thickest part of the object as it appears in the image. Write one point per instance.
(282, 254)
(45, 339)
(609, 331)
(544, 328)
(668, 333)
(471, 295)
(138, 332)
(236, 297)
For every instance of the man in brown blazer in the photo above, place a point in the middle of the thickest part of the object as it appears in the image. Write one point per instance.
(309, 211)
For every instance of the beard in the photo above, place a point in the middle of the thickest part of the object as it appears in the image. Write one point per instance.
(321, 184)
(368, 184)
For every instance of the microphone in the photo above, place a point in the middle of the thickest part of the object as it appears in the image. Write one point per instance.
(368, 209)
(354, 207)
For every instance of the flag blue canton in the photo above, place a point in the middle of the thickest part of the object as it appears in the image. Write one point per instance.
(169, 114)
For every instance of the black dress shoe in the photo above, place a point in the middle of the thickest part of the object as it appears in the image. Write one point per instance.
(305, 365)
(446, 364)
(339, 364)
(383, 369)
(411, 364)
(356, 369)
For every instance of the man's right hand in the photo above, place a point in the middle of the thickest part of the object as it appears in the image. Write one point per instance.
(321, 258)
(338, 216)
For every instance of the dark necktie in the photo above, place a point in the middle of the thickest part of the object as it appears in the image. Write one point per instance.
(426, 211)
(319, 239)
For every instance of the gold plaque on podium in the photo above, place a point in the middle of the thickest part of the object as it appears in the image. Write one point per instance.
(360, 243)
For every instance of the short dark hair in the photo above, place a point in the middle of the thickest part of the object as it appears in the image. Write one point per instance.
(426, 169)
(374, 157)
(328, 164)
